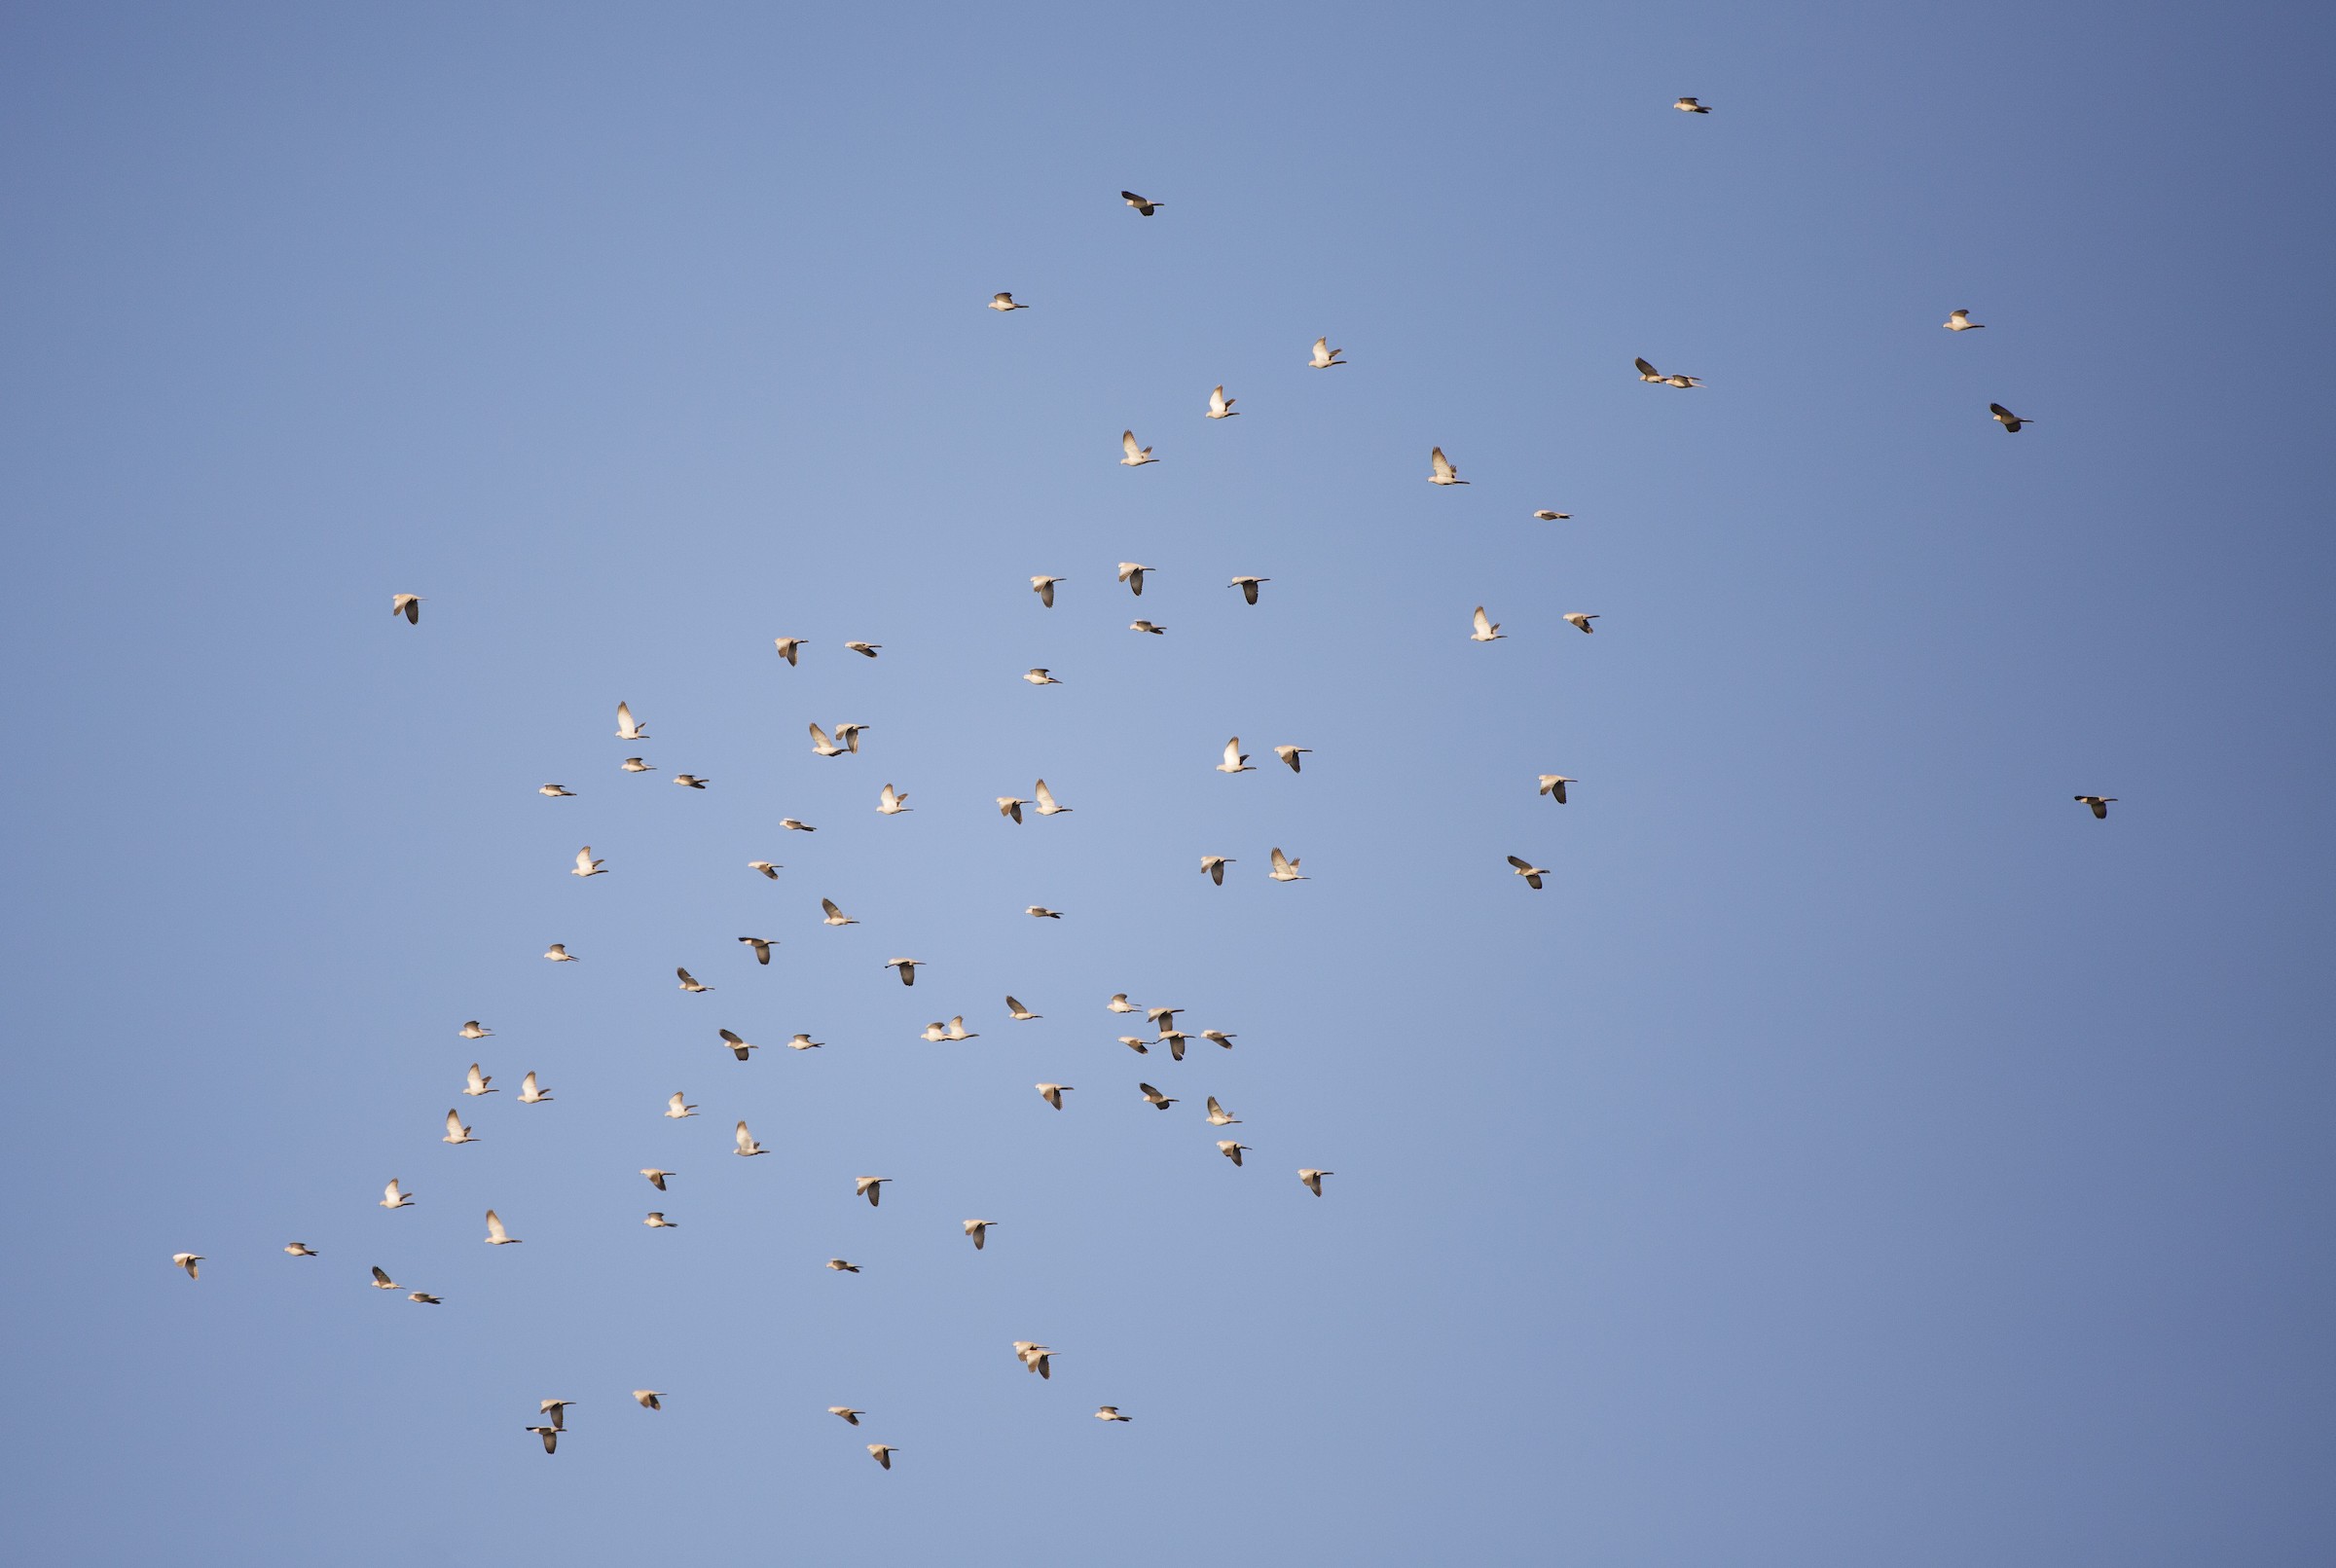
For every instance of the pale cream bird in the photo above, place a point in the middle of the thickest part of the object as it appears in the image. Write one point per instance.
(1647, 372)
(2007, 419)
(841, 1266)
(789, 647)
(793, 826)
(1006, 302)
(657, 1175)
(300, 1249)
(407, 605)
(1019, 1014)
(557, 1410)
(497, 1235)
(394, 1197)
(1174, 1040)
(1961, 321)
(1674, 379)
(690, 982)
(1110, 1413)
(558, 953)
(762, 946)
(1545, 515)
(1213, 867)
(870, 1187)
(690, 781)
(1552, 785)
(979, 1230)
(475, 1083)
(1142, 204)
(848, 736)
(1529, 871)
(1217, 1036)
(2099, 804)
(1162, 1019)
(550, 1437)
(1141, 1046)
(882, 1454)
(866, 650)
(1043, 586)
(834, 916)
(1137, 456)
(823, 746)
(188, 1261)
(1011, 806)
(891, 802)
(1284, 868)
(531, 1093)
(1147, 626)
(738, 1047)
(1313, 1180)
(676, 1109)
(804, 1042)
(850, 1415)
(555, 791)
(1132, 573)
(647, 1398)
(586, 867)
(456, 1132)
(906, 966)
(1691, 106)
(1485, 631)
(472, 1028)
(626, 727)
(1231, 1149)
(1445, 473)
(381, 1280)
(1219, 1116)
(1041, 677)
(1121, 1004)
(747, 1147)
(655, 1219)
(1248, 587)
(1044, 798)
(937, 1032)
(636, 765)
(1234, 760)
(428, 1299)
(1581, 622)
(1041, 912)
(1155, 1097)
(1220, 407)
(769, 868)
(1291, 753)
(1052, 1093)
(1325, 356)
(957, 1030)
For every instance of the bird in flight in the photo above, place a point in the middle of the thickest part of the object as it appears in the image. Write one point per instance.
(407, 605)
(1219, 1116)
(1291, 753)
(1220, 1037)
(1691, 106)
(1647, 373)
(1213, 867)
(870, 1187)
(1146, 626)
(1961, 321)
(979, 1230)
(189, 1262)
(1137, 456)
(690, 982)
(472, 1029)
(655, 1219)
(1234, 760)
(476, 1082)
(1041, 677)
(550, 1437)
(531, 1093)
(690, 781)
(1220, 407)
(1486, 631)
(1140, 1046)
(762, 946)
(555, 791)
(1445, 473)
(2007, 419)
(1011, 806)
(647, 1398)
(1283, 869)
(300, 1249)
(657, 1176)
(1313, 1180)
(823, 746)
(626, 729)
(747, 1147)
(1041, 912)
(1545, 515)
(793, 826)
(1148, 208)
(1019, 1014)
(392, 1197)
(789, 647)
(1248, 586)
(1529, 871)
(381, 1280)
(1552, 785)
(558, 953)
(841, 1266)
(881, 1453)
(1231, 1149)
(1155, 1097)
(456, 1132)
(906, 966)
(1325, 356)
(738, 1047)
(636, 765)
(497, 1235)
(425, 1299)
(676, 1109)
(586, 867)
(803, 1042)
(1110, 1413)
(1132, 573)
(1120, 1004)
(835, 916)
(850, 1415)
(1043, 586)
(2098, 803)
(866, 650)
(1046, 801)
(1052, 1093)
(1006, 302)
(1581, 622)
(769, 868)
(957, 1030)
(891, 802)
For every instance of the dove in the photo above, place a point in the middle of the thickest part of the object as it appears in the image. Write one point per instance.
(1691, 106)
(1019, 1014)
(1248, 587)
(823, 746)
(849, 736)
(1647, 372)
(647, 1398)
(1545, 515)
(550, 1437)
(1219, 1037)
(870, 1187)
(1213, 867)
(1011, 806)
(690, 982)
(769, 868)
(935, 1032)
(381, 1280)
(1283, 869)
(555, 791)
(2007, 419)
(866, 650)
(1052, 1093)
(1530, 872)
(407, 605)
(1961, 321)
(189, 1262)
(979, 1230)
(557, 1410)
(1291, 753)
(1174, 1040)
(793, 826)
(840, 1267)
(1581, 622)
(456, 1132)
(558, 953)
(804, 1042)
(1313, 1180)
(1141, 205)
(636, 765)
(1220, 407)
(1006, 302)
(529, 1093)
(1132, 574)
(959, 1030)
(789, 647)
(1110, 1413)
(1161, 1019)
(834, 916)
(1445, 473)
(627, 728)
(881, 1453)
(889, 802)
(393, 1198)
(1325, 356)
(1146, 626)
(472, 1028)
(906, 966)
(1043, 586)
(476, 1082)
(1230, 1151)
(1137, 456)
(738, 1047)
(2098, 803)
(1219, 1116)
(1486, 631)
(300, 1249)
(675, 1109)
(657, 1176)
(656, 1221)
(1120, 1004)
(497, 1235)
(850, 1415)
(1041, 912)
(1142, 1048)
(762, 946)
(1155, 1097)
(1041, 678)
(586, 865)
(1552, 785)
(747, 1147)
(1046, 801)
(425, 1299)
(1235, 761)
(690, 781)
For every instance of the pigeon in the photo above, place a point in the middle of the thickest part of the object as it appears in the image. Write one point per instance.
(881, 1453)
(1691, 106)
(1052, 1093)
(1231, 1149)
(1283, 869)
(656, 1221)
(690, 982)
(1220, 407)
(850, 1415)
(407, 605)
(690, 781)
(870, 1187)
(627, 728)
(1142, 1048)
(647, 1398)
(840, 1267)
(475, 1083)
(558, 953)
(1545, 515)
(1213, 867)
(747, 1147)
(738, 1047)
(555, 791)
(1132, 574)
(1313, 1180)
(1581, 622)
(1011, 806)
(1043, 586)
(1445, 473)
(1248, 587)
(979, 1230)
(657, 1176)
(1961, 321)
(381, 1280)
(866, 650)
(1110, 1413)
(849, 736)
(1325, 356)
(762, 946)
(2007, 419)
(1146, 626)
(1041, 678)
(793, 826)
(1137, 456)
(1552, 785)
(823, 746)
(1019, 1014)
(586, 867)
(1006, 302)
(529, 1093)
(636, 765)
(189, 1262)
(957, 1030)
(1291, 753)
(2098, 803)
(906, 966)
(769, 868)
(835, 916)
(1120, 1004)
(1041, 912)
(456, 1132)
(789, 647)
(1235, 761)
(472, 1028)
(550, 1437)
(675, 1109)
(1219, 1116)
(392, 1197)
(300, 1249)
(804, 1042)
(425, 1299)
(497, 1235)
(891, 802)
(1530, 872)
(1046, 801)
(1219, 1037)
(1486, 631)
(1148, 208)
(1155, 1097)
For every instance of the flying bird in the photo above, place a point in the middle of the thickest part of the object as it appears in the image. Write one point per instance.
(1529, 871)
(1545, 515)
(1110, 1413)
(188, 1261)
(647, 1398)
(789, 647)
(1052, 1093)
(550, 1437)
(1046, 801)
(1581, 622)
(1137, 456)
(793, 826)
(979, 1230)
(1313, 1180)
(586, 867)
(627, 728)
(1213, 867)
(692, 781)
(1219, 1116)
(2098, 803)
(823, 746)
(1043, 586)
(497, 1235)
(1961, 321)
(555, 791)
(1120, 1004)
(475, 1081)
(1234, 760)
(381, 1280)
(1291, 753)
(1146, 626)
(529, 1093)
(1155, 1097)
(1132, 574)
(835, 916)
(558, 953)
(1248, 586)
(1041, 678)
(456, 1132)
(675, 1109)
(762, 946)
(1161, 1019)
(1283, 869)
(1142, 1048)
(1552, 785)
(841, 1266)
(906, 966)
(300, 1249)
(738, 1047)
(957, 1030)
(636, 765)
(1231, 1149)
(804, 1042)
(1445, 473)
(870, 1187)
(425, 1299)
(1011, 806)
(656, 1221)
(848, 736)
(1220, 407)
(1041, 912)
(472, 1028)
(2007, 419)
(1019, 1014)
(1219, 1037)
(394, 1198)
(1174, 1040)
(657, 1176)
(1006, 302)
(769, 868)
(407, 605)
(1148, 208)
(881, 1453)
(747, 1147)
(889, 802)
(1691, 106)
(1325, 356)
(866, 650)
(690, 982)
(850, 1415)
(1486, 631)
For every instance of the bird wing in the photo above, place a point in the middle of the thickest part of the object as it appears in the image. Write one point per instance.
(1046, 796)
(381, 1277)
(828, 905)
(1281, 862)
(746, 1138)
(1483, 623)
(674, 1104)
(1645, 368)
(1443, 466)
(494, 1226)
(1127, 444)
(1217, 402)
(1233, 752)
(724, 1033)
(453, 1125)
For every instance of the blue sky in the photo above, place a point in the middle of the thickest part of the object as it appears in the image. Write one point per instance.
(1856, 1153)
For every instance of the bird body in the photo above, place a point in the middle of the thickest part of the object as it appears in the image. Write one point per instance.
(690, 781)
(1219, 1116)
(1041, 678)
(676, 1111)
(690, 982)
(1005, 302)
(647, 1398)
(870, 1187)
(1325, 356)
(1137, 456)
(1041, 912)
(531, 1093)
(300, 1249)
(1284, 869)
(1691, 106)
(1052, 1093)
(394, 1197)
(835, 916)
(1313, 1180)
(1291, 753)
(769, 868)
(979, 1230)
(2098, 803)
(1530, 872)
(2007, 419)
(850, 1415)
(1235, 761)
(1248, 587)
(190, 1262)
(555, 791)
(456, 1132)
(657, 1221)
(657, 1176)
(1545, 515)
(1552, 785)
(626, 727)
(1146, 626)
(906, 966)
(636, 765)
(476, 1082)
(823, 746)
(1140, 204)
(1443, 472)
(381, 1280)
(1961, 321)
(1580, 622)
(586, 867)
(1155, 1097)
(1120, 1004)
(747, 1147)
(793, 826)
(738, 1047)
(958, 1031)
(1019, 1014)
(1220, 407)
(497, 1235)
(1231, 1149)
(1132, 573)
(407, 605)
(762, 946)
(1110, 1413)
(1486, 631)
(1213, 867)
(804, 1042)
(891, 802)
(558, 953)
(866, 650)
(474, 1030)
(790, 649)
(881, 1453)
(1217, 1036)
(1043, 586)
(840, 1267)
(1046, 801)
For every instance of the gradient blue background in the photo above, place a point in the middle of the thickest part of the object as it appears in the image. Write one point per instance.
(1858, 1154)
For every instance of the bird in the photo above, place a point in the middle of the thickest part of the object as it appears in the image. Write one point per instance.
(1110, 1413)
(636, 765)
(850, 1415)
(1219, 1037)
(1235, 761)
(1019, 1014)
(1011, 806)
(407, 605)
(555, 791)
(647, 1398)
(1284, 868)
(1248, 586)
(657, 1176)
(762, 946)
(1486, 631)
(958, 1031)
(1132, 573)
(381, 1280)
(979, 1230)
(1325, 356)
(557, 1410)
(1291, 753)
(1137, 456)
(1545, 515)
(789, 647)
(189, 1262)
(803, 1042)
(657, 1221)
(2007, 419)
(906, 966)
(393, 1197)
(793, 826)
(425, 1298)
(1552, 785)
(475, 1083)
(1581, 622)
(2098, 803)
(840, 1267)
(1155, 1097)
(769, 868)
(1161, 1019)
(550, 1437)
(1035, 1356)
(835, 916)
(1445, 473)
(1219, 1116)
(300, 1249)
(866, 650)
(1674, 379)
(1313, 1180)
(627, 728)
(881, 1453)
(690, 982)
(1691, 106)
(1052, 1093)
(1213, 867)
(1220, 407)
(675, 1109)
(888, 802)
(1006, 302)
(1961, 321)
(935, 1032)
(1046, 801)
(1142, 1048)
(456, 1132)
(558, 953)
(1231, 1149)
(472, 1028)
(738, 1047)
(849, 737)
(747, 1147)
(1120, 1004)
(586, 867)
(1647, 373)
(497, 1235)
(823, 746)
(1043, 586)
(1174, 1040)
(1140, 204)
(1041, 678)
(1530, 872)
(692, 781)
(1041, 912)
(870, 1187)
(1146, 626)
(529, 1094)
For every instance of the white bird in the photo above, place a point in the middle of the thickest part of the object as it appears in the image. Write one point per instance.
(979, 1230)
(848, 736)
(1141, 1048)
(1043, 586)
(738, 1048)
(793, 826)
(1325, 356)
(647, 1398)
(475, 1081)
(762, 946)
(937, 1032)
(1035, 1358)
(675, 1109)
(1248, 587)
(959, 1030)
(2098, 803)
(850, 1415)
(789, 647)
(1019, 1014)
(393, 1198)
(1545, 515)
(300, 1249)
(866, 650)
(834, 916)
(636, 765)
(1581, 622)
(1219, 1116)
(550, 1437)
(842, 1266)
(557, 1410)
(529, 1094)
(586, 867)
(881, 1453)
(1110, 1413)
(1041, 677)
(1046, 801)
(1041, 912)
(1137, 456)
(1174, 1040)
(1231, 1149)
(656, 1221)
(1213, 867)
(769, 868)
(1120, 1004)
(626, 729)
(1161, 1019)
(1486, 631)
(1155, 1097)
(1445, 473)
(2007, 419)
(1961, 321)
(870, 1187)
(1313, 1180)
(555, 791)
(1146, 626)
(425, 1299)
(1141, 204)
(1219, 1037)
(747, 1147)
(381, 1280)
(1283, 869)
(906, 966)
(558, 953)
(692, 781)
(1234, 760)
(187, 1262)
(803, 1042)
(1552, 785)
(1291, 753)
(456, 1132)
(1220, 407)
(1647, 373)
(690, 982)
(1011, 806)
(657, 1176)
(497, 1235)
(1052, 1093)
(472, 1028)
(407, 605)
(1132, 574)
(1006, 302)
(889, 802)
(823, 746)
(1691, 106)
(1529, 871)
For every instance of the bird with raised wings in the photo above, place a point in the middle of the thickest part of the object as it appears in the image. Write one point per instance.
(1445, 473)
(891, 802)
(1220, 407)
(834, 916)
(1486, 631)
(531, 1093)
(2007, 419)
(472, 1028)
(558, 953)
(475, 1082)
(1219, 1116)
(496, 1235)
(1137, 456)
(738, 1048)
(690, 982)
(1325, 356)
(1046, 801)
(395, 1197)
(1284, 869)
(456, 1132)
(381, 1280)
(747, 1147)
(586, 867)
(1961, 321)
(1002, 301)
(1019, 1014)
(822, 746)
(1141, 204)
(1236, 760)
(626, 727)
(676, 1109)
(1155, 1097)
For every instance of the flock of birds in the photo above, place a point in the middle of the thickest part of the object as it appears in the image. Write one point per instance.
(843, 740)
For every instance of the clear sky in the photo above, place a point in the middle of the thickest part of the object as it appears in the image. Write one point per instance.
(1856, 1155)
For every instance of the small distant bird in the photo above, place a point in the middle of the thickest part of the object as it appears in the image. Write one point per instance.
(2007, 419)
(1141, 1048)
(1213, 867)
(690, 982)
(1219, 1116)
(1043, 586)
(889, 802)
(803, 1042)
(823, 746)
(1325, 356)
(656, 1221)
(1219, 1037)
(1581, 622)
(392, 1197)
(762, 946)
(738, 1047)
(1234, 760)
(1529, 871)
(1313, 1180)
(555, 791)
(1291, 753)
(840, 1267)
(586, 867)
(835, 916)
(906, 966)
(1148, 208)
(866, 650)
(627, 728)
(769, 868)
(1161, 1019)
(690, 781)
(937, 1032)
(657, 1176)
(747, 1147)
(848, 737)
(1248, 586)
(472, 1028)
(1961, 321)
(675, 1109)
(1110, 1413)
(1120, 1004)
(1035, 1358)
(1132, 574)
(425, 1299)
(529, 1093)
(793, 826)
(550, 1437)
(881, 1453)
(381, 1280)
(497, 1235)
(647, 1398)
(1041, 912)
(789, 647)
(407, 605)
(958, 1031)
(1012, 806)
(1283, 869)
(870, 1187)
(1174, 1040)
(979, 1230)
(1155, 1097)
(558, 953)
(1137, 456)
(300, 1249)
(1052, 1093)
(850, 1415)
(1220, 407)
(1231, 1149)
(1552, 785)
(188, 1261)
(1046, 801)
(1445, 473)
(636, 765)
(1019, 1014)
(476, 1082)
(456, 1132)
(1041, 678)
(2098, 803)
(1146, 626)
(1545, 515)
(1691, 106)
(1486, 631)
(1647, 373)
(1006, 302)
